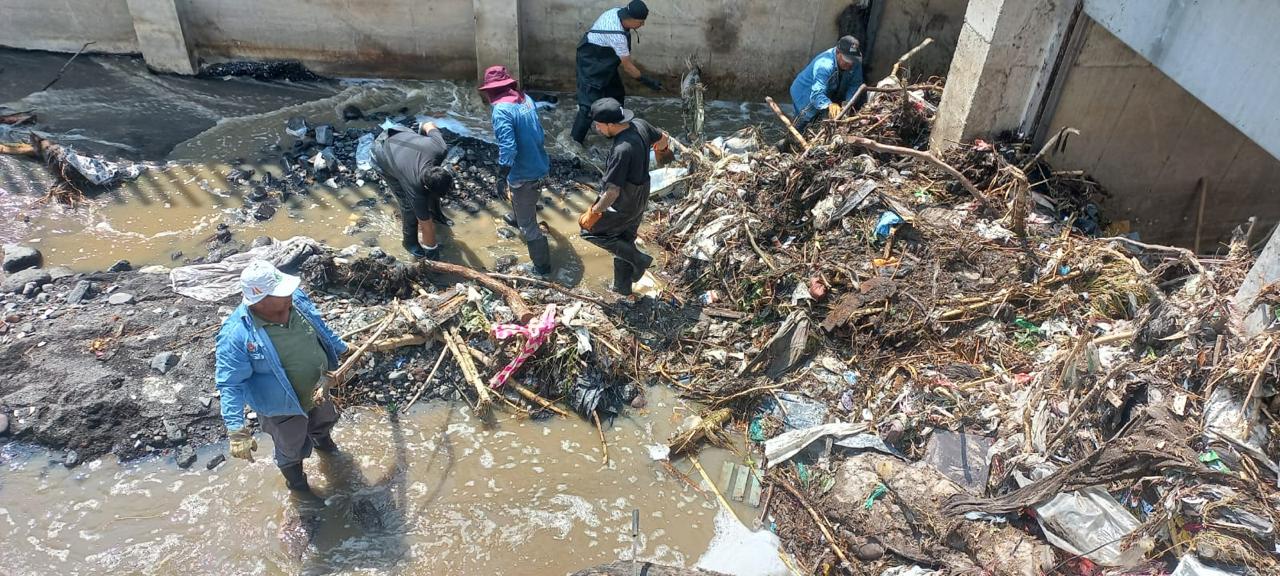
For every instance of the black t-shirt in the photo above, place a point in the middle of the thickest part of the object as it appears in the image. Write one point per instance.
(628, 161)
(411, 155)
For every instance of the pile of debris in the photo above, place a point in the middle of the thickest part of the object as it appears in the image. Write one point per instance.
(944, 371)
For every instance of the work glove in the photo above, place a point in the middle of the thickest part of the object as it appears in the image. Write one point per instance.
(242, 444)
(651, 83)
(589, 218)
(503, 190)
(664, 156)
(833, 111)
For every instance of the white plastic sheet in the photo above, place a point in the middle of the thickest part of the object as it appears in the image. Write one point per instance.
(1091, 523)
(221, 280)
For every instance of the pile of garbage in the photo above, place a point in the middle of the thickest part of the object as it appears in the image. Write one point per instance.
(943, 369)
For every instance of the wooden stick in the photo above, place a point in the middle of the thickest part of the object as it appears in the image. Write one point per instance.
(903, 59)
(339, 375)
(513, 299)
(759, 252)
(849, 105)
(804, 144)
(399, 342)
(1048, 146)
(553, 286)
(532, 396)
(919, 155)
(64, 67)
(459, 349)
(444, 351)
(600, 429)
(1253, 388)
(1202, 190)
(817, 518)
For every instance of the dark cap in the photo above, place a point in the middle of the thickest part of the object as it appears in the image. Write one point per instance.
(636, 9)
(609, 111)
(849, 46)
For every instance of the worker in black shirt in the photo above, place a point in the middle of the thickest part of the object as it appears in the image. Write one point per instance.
(614, 218)
(411, 162)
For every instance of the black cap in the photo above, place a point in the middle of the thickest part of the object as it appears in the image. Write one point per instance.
(609, 111)
(849, 46)
(636, 9)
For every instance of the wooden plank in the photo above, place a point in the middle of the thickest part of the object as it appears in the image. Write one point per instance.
(740, 484)
(726, 476)
(753, 491)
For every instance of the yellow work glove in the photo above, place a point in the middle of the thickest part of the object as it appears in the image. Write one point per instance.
(242, 444)
(833, 111)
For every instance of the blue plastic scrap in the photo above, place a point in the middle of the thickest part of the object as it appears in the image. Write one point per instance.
(887, 221)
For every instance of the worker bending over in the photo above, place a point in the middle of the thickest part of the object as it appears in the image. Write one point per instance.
(828, 82)
(604, 49)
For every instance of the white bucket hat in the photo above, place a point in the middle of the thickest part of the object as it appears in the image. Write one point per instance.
(260, 279)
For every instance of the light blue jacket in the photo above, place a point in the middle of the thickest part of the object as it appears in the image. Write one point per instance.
(249, 371)
(519, 134)
(809, 90)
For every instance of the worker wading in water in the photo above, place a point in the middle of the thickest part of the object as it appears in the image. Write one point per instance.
(613, 220)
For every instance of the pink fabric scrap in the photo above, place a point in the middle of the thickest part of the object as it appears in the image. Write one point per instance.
(537, 332)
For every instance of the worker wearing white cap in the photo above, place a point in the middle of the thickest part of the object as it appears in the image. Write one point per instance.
(272, 353)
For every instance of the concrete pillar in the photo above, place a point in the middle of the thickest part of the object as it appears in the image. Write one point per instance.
(1266, 269)
(1004, 60)
(161, 37)
(497, 35)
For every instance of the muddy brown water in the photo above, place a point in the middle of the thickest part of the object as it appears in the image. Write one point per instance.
(434, 491)
(431, 492)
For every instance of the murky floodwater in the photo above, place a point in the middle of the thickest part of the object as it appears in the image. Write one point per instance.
(177, 206)
(431, 492)
(434, 492)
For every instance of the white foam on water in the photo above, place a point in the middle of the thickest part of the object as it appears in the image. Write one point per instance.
(735, 549)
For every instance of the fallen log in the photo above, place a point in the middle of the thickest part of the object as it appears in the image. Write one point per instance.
(532, 396)
(461, 353)
(509, 294)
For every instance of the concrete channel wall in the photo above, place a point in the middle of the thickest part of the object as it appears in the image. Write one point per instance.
(1148, 141)
(748, 48)
(65, 25)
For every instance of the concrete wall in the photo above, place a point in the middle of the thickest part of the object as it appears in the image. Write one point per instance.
(905, 23)
(1147, 141)
(1223, 52)
(387, 38)
(747, 49)
(65, 25)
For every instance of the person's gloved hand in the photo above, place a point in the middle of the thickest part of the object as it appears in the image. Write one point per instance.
(589, 218)
(664, 156)
(242, 443)
(651, 83)
(833, 111)
(503, 189)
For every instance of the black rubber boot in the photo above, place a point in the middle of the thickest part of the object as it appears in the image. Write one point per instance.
(581, 124)
(325, 444)
(441, 219)
(540, 255)
(416, 250)
(295, 478)
(622, 272)
(510, 219)
(645, 261)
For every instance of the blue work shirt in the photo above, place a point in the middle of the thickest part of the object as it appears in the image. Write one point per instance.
(519, 134)
(248, 370)
(809, 90)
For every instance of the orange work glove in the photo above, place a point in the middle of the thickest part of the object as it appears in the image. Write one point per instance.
(833, 111)
(589, 218)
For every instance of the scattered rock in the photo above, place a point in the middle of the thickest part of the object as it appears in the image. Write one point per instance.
(352, 112)
(71, 459)
(186, 457)
(261, 241)
(324, 135)
(215, 461)
(120, 298)
(59, 272)
(120, 266)
(4, 424)
(296, 126)
(17, 282)
(264, 212)
(163, 361)
(18, 258)
(82, 291)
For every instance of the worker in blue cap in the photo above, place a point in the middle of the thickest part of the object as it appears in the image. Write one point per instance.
(828, 82)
